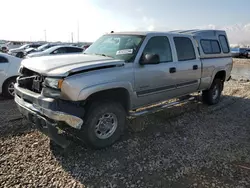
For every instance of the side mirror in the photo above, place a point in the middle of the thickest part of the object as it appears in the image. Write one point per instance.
(149, 59)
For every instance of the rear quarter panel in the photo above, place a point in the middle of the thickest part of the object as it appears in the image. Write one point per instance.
(210, 66)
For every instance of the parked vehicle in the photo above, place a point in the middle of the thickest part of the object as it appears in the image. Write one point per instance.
(89, 96)
(29, 51)
(12, 44)
(20, 52)
(4, 49)
(9, 66)
(83, 45)
(240, 52)
(56, 50)
(47, 46)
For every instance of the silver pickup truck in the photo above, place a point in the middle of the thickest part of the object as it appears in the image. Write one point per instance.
(89, 96)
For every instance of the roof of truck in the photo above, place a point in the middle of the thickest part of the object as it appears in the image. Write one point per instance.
(193, 32)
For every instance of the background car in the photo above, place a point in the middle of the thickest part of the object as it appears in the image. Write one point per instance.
(62, 49)
(240, 52)
(83, 45)
(9, 66)
(20, 52)
(12, 44)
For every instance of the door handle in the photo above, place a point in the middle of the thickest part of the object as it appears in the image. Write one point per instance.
(195, 67)
(172, 70)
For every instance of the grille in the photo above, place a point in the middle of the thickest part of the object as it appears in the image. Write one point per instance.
(30, 80)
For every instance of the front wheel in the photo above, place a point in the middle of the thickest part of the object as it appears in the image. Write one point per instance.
(213, 94)
(105, 122)
(8, 88)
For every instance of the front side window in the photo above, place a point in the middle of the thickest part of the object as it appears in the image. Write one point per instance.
(3, 59)
(118, 46)
(184, 48)
(159, 45)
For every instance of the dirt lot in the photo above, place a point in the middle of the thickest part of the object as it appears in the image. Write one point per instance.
(192, 145)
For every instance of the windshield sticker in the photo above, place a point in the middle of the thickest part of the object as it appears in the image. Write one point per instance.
(125, 51)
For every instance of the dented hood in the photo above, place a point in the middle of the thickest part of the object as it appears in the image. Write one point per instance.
(63, 65)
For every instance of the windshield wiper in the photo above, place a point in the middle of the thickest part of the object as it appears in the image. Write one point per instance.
(100, 54)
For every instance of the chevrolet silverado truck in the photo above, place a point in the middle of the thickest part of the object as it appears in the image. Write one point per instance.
(89, 96)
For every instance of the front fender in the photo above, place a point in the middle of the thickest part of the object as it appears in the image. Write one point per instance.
(86, 92)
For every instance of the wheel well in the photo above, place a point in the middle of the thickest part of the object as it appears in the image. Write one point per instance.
(221, 75)
(8, 80)
(120, 95)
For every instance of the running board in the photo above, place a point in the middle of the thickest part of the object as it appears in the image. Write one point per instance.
(160, 107)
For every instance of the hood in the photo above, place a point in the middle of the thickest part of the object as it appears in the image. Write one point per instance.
(36, 54)
(15, 50)
(29, 49)
(63, 65)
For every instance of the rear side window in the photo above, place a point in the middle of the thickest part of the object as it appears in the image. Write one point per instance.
(3, 59)
(210, 46)
(184, 48)
(74, 50)
(224, 44)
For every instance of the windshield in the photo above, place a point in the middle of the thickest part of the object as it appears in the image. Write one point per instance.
(24, 46)
(40, 48)
(118, 46)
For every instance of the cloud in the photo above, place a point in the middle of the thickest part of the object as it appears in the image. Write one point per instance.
(237, 33)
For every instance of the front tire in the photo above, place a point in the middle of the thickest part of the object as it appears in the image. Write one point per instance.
(8, 88)
(105, 123)
(213, 94)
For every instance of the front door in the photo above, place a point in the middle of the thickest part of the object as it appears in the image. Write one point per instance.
(156, 82)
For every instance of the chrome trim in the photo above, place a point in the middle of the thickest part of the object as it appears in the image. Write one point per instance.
(71, 120)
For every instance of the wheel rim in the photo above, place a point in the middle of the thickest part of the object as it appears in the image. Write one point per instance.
(215, 92)
(11, 89)
(106, 126)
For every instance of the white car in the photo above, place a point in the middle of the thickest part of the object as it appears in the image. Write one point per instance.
(9, 66)
(12, 44)
(20, 52)
(56, 50)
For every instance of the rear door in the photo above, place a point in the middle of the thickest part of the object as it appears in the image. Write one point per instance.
(188, 65)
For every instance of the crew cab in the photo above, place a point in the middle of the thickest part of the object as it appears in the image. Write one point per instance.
(90, 95)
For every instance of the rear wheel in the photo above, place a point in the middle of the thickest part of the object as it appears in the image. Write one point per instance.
(8, 88)
(213, 94)
(105, 122)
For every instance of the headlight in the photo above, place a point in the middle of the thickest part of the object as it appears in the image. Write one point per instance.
(55, 83)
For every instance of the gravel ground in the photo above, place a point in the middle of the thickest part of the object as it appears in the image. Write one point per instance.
(191, 145)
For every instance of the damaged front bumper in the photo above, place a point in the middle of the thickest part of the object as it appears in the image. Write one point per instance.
(46, 113)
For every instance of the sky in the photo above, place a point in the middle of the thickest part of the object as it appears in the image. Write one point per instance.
(60, 19)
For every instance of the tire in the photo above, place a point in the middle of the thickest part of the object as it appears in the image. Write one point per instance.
(93, 131)
(213, 94)
(20, 55)
(8, 88)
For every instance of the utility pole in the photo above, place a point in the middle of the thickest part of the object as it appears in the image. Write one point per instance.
(72, 37)
(45, 35)
(77, 30)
